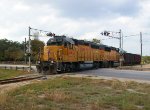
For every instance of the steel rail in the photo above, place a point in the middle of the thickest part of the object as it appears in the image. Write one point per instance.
(18, 79)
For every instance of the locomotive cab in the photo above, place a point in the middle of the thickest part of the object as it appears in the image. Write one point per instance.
(53, 48)
(54, 54)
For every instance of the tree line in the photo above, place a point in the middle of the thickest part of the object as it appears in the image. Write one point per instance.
(146, 59)
(15, 51)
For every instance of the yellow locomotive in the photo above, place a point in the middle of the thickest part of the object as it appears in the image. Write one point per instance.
(63, 54)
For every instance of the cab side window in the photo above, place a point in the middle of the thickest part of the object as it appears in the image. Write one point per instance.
(70, 46)
(65, 44)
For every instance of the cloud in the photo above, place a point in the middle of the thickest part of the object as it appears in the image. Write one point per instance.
(21, 7)
(96, 9)
(82, 19)
(93, 9)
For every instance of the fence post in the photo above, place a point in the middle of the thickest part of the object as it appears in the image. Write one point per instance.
(16, 68)
(23, 68)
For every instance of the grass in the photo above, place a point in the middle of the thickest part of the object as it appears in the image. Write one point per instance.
(66, 93)
(4, 74)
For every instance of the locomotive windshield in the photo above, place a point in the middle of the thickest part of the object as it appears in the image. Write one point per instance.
(54, 41)
(59, 40)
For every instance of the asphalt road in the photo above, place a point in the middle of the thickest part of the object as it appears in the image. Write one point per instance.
(130, 74)
(108, 72)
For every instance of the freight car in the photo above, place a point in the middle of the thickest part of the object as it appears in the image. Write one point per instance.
(63, 54)
(131, 59)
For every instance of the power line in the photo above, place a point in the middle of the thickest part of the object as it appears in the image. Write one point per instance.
(147, 33)
(132, 35)
(39, 30)
(106, 39)
(146, 41)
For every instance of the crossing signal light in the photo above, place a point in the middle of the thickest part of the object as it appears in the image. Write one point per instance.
(50, 34)
(28, 54)
(106, 33)
(27, 49)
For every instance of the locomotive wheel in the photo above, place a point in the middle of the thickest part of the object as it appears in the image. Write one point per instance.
(68, 68)
(45, 70)
(96, 65)
(72, 67)
(109, 64)
(39, 70)
(100, 64)
(112, 64)
(77, 66)
(53, 69)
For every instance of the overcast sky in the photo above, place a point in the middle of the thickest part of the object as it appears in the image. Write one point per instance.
(82, 19)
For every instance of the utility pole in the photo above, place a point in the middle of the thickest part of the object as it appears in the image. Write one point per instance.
(25, 53)
(29, 49)
(120, 40)
(141, 47)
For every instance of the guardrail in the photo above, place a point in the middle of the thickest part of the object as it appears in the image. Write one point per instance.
(15, 68)
(134, 68)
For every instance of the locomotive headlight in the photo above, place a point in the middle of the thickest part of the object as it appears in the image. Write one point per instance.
(52, 61)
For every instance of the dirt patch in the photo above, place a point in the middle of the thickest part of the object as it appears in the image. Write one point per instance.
(134, 91)
(8, 87)
(78, 92)
(145, 67)
(106, 78)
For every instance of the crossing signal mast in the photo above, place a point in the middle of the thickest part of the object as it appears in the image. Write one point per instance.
(108, 34)
(27, 45)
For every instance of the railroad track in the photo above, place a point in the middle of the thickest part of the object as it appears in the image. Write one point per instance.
(20, 79)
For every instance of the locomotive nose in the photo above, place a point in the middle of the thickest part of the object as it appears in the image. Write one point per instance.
(50, 53)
